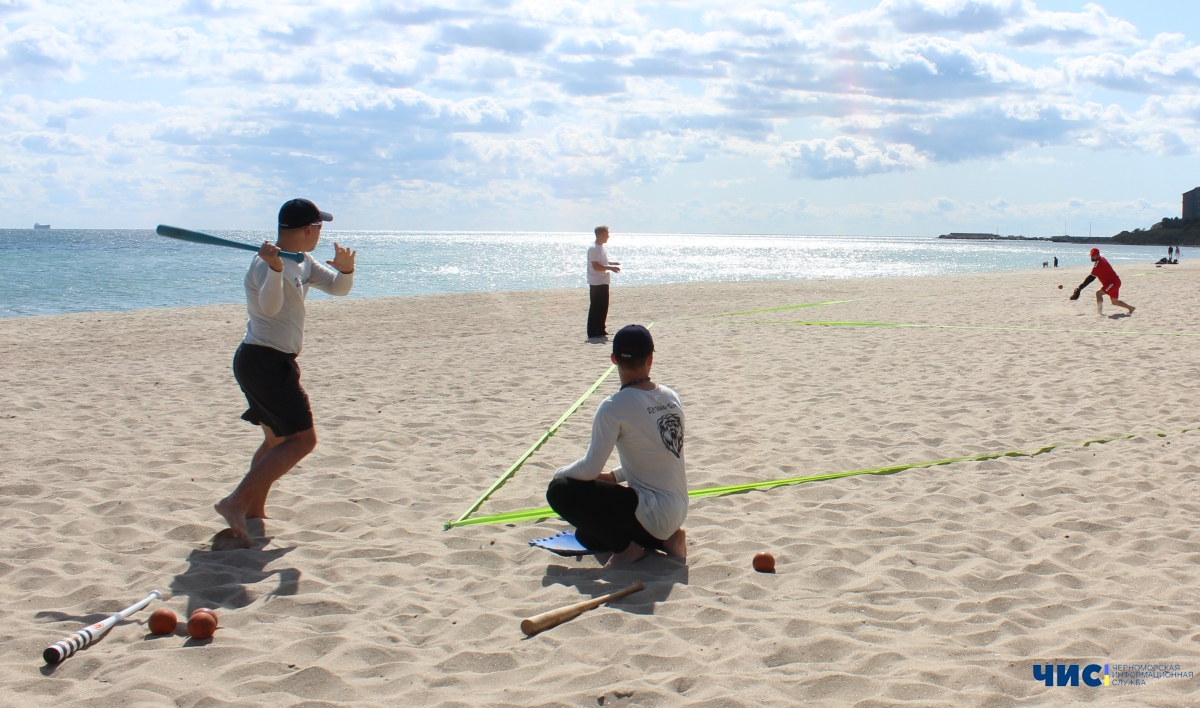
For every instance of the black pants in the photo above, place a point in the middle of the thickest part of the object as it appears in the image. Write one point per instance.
(598, 312)
(602, 514)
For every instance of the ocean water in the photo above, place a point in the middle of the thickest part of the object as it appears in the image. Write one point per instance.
(58, 271)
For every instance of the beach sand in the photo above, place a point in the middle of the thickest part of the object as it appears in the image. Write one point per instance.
(938, 586)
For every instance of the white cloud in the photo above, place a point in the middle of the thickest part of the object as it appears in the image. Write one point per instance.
(574, 100)
(845, 157)
(966, 16)
(40, 52)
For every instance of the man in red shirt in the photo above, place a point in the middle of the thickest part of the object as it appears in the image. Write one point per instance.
(1110, 284)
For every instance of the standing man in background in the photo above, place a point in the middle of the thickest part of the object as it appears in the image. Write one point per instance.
(598, 278)
(265, 364)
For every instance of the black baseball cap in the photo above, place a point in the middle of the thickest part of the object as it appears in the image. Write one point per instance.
(299, 213)
(633, 342)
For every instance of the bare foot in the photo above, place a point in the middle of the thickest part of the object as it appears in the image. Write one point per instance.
(676, 545)
(257, 508)
(236, 518)
(1131, 309)
(629, 556)
(227, 540)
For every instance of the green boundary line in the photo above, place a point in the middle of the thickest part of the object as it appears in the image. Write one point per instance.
(547, 512)
(508, 474)
(785, 307)
(990, 329)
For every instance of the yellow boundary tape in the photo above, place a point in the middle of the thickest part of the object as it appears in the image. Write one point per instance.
(816, 323)
(785, 307)
(512, 470)
(547, 512)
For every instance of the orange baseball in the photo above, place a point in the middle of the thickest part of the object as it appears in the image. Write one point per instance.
(162, 621)
(202, 625)
(764, 562)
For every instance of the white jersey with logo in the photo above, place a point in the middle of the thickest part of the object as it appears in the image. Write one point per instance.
(647, 429)
(597, 254)
(275, 301)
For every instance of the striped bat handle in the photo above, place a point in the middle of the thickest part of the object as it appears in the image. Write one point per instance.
(62, 649)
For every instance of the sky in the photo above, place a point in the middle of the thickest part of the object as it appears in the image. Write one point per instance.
(899, 117)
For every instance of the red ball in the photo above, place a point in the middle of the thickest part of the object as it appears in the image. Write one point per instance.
(764, 562)
(1060, 287)
(163, 621)
(202, 625)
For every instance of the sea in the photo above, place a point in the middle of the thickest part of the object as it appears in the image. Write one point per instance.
(65, 270)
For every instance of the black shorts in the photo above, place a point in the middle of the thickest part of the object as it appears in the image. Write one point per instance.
(271, 381)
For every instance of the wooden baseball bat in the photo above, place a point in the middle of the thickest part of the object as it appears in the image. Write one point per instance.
(553, 618)
(210, 240)
(61, 650)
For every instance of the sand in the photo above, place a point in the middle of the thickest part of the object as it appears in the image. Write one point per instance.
(934, 587)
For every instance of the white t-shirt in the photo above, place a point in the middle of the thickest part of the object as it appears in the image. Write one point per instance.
(275, 301)
(599, 255)
(647, 429)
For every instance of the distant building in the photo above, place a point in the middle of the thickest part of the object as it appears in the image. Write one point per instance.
(1191, 205)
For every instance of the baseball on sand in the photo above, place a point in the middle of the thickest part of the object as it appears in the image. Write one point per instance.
(764, 562)
(162, 621)
(202, 624)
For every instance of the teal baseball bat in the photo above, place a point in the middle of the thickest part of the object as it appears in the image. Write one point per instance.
(208, 239)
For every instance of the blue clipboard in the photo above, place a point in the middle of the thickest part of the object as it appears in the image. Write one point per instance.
(563, 543)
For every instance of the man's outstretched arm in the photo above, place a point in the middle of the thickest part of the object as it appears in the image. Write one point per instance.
(1084, 284)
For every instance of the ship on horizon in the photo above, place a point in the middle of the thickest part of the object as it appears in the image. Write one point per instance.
(41, 227)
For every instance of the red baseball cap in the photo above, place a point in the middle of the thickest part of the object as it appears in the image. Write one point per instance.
(1094, 252)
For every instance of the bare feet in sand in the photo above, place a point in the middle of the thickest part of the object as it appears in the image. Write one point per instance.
(258, 509)
(629, 556)
(235, 517)
(676, 545)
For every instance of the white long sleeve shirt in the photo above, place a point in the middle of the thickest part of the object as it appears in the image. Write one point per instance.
(275, 301)
(647, 429)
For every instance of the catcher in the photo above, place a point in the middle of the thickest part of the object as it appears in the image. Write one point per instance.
(1110, 284)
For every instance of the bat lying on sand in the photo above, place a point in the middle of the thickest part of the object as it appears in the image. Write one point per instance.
(210, 240)
(87, 635)
(553, 618)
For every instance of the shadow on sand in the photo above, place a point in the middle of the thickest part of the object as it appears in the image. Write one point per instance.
(659, 572)
(216, 579)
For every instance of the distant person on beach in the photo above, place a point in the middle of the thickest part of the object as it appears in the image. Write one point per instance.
(1110, 284)
(1170, 251)
(265, 364)
(645, 422)
(1056, 261)
(598, 278)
